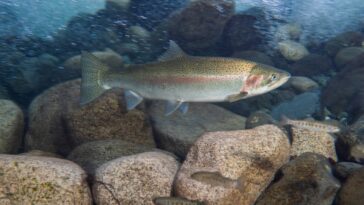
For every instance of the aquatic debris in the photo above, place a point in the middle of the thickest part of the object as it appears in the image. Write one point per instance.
(179, 78)
(175, 201)
(310, 125)
(216, 179)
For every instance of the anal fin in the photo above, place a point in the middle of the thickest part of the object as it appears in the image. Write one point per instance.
(132, 99)
(172, 106)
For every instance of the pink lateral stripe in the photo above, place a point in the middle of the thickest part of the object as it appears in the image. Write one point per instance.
(197, 79)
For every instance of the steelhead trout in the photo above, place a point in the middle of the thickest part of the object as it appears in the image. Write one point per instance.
(310, 125)
(179, 78)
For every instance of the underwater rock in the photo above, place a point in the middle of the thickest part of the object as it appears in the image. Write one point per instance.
(312, 64)
(345, 169)
(151, 13)
(302, 84)
(109, 57)
(291, 50)
(241, 32)
(259, 118)
(241, 164)
(91, 155)
(304, 140)
(343, 89)
(178, 132)
(135, 179)
(301, 106)
(345, 55)
(40, 153)
(138, 33)
(255, 56)
(348, 39)
(57, 123)
(352, 191)
(11, 126)
(122, 4)
(200, 24)
(290, 31)
(307, 179)
(42, 180)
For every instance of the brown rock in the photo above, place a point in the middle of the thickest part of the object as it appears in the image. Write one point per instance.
(177, 133)
(306, 180)
(91, 155)
(11, 126)
(304, 140)
(136, 179)
(348, 39)
(259, 118)
(352, 191)
(346, 55)
(345, 169)
(200, 24)
(57, 123)
(40, 153)
(248, 157)
(42, 180)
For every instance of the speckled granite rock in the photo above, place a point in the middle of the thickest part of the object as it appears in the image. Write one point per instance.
(42, 180)
(304, 140)
(40, 153)
(135, 179)
(345, 169)
(306, 180)
(259, 118)
(91, 155)
(11, 126)
(178, 132)
(352, 191)
(302, 84)
(57, 123)
(248, 157)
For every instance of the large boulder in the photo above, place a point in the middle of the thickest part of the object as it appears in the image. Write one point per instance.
(302, 84)
(11, 126)
(348, 39)
(307, 179)
(232, 167)
(291, 50)
(305, 140)
(342, 93)
(344, 169)
(136, 179)
(200, 24)
(312, 64)
(91, 155)
(42, 180)
(57, 123)
(178, 132)
(352, 191)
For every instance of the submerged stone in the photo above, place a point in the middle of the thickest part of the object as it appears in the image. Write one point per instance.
(352, 191)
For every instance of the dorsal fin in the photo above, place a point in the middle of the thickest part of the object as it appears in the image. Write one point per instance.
(173, 52)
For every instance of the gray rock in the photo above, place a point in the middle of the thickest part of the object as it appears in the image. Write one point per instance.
(344, 56)
(11, 126)
(348, 39)
(352, 191)
(306, 180)
(312, 65)
(244, 161)
(302, 84)
(345, 169)
(304, 140)
(301, 106)
(40, 153)
(178, 132)
(57, 123)
(259, 118)
(42, 180)
(135, 179)
(91, 155)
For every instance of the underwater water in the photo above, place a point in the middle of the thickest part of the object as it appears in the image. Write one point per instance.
(157, 102)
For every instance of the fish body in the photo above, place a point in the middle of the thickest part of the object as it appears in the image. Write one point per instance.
(310, 125)
(179, 78)
(216, 179)
(174, 201)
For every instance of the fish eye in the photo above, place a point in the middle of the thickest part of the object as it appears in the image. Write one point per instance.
(273, 77)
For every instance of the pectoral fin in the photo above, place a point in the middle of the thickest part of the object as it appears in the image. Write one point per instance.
(132, 99)
(172, 106)
(233, 98)
(183, 108)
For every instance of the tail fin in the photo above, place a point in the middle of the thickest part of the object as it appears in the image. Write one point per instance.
(93, 71)
(284, 120)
